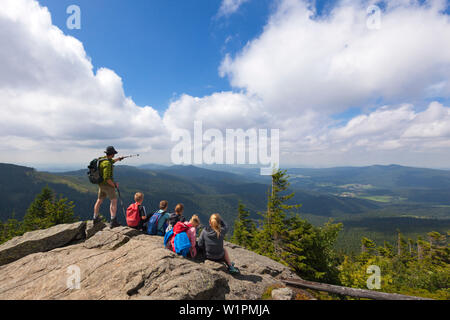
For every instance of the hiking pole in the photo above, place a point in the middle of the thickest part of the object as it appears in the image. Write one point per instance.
(130, 156)
(121, 202)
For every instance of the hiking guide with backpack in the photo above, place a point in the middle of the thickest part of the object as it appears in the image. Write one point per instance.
(101, 173)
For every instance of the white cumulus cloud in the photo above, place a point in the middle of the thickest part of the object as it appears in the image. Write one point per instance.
(296, 76)
(52, 99)
(228, 7)
(335, 62)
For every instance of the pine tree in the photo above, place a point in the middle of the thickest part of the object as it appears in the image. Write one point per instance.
(402, 246)
(368, 246)
(46, 211)
(426, 276)
(274, 222)
(36, 215)
(308, 250)
(10, 229)
(421, 248)
(60, 211)
(410, 246)
(244, 228)
(387, 250)
(287, 238)
(438, 247)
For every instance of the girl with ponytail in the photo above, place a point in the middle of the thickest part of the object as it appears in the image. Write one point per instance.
(211, 241)
(214, 222)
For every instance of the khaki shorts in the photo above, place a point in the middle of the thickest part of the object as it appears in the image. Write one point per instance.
(105, 190)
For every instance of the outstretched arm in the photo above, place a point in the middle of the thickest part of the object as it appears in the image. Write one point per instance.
(118, 159)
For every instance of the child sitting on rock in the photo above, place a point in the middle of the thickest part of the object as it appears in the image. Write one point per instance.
(176, 216)
(190, 231)
(211, 242)
(136, 215)
(192, 234)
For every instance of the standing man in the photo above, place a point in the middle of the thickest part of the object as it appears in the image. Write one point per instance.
(107, 188)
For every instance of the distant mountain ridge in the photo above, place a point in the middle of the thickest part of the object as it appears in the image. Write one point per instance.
(381, 176)
(325, 192)
(202, 191)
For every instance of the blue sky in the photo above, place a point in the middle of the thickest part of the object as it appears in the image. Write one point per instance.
(162, 49)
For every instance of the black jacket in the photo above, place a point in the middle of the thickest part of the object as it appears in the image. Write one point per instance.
(212, 244)
(174, 218)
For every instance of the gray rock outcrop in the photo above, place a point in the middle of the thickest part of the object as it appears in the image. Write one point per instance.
(41, 240)
(282, 294)
(92, 228)
(122, 263)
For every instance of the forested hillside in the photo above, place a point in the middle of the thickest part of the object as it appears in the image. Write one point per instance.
(419, 267)
(205, 191)
(202, 191)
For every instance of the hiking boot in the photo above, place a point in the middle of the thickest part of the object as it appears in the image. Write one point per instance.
(114, 223)
(97, 220)
(232, 269)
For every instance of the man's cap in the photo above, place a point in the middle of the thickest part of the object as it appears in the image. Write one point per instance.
(110, 150)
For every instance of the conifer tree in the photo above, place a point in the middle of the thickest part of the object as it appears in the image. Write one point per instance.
(421, 248)
(37, 211)
(274, 222)
(426, 276)
(46, 211)
(368, 246)
(244, 228)
(438, 248)
(10, 229)
(287, 238)
(387, 250)
(402, 246)
(411, 247)
(60, 211)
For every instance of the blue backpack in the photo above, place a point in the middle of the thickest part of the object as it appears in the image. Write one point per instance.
(182, 244)
(152, 228)
(167, 237)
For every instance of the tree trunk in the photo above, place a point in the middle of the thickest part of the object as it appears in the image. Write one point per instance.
(419, 251)
(363, 248)
(345, 291)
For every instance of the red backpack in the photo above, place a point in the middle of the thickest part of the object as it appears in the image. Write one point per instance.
(181, 227)
(133, 217)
